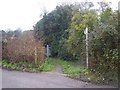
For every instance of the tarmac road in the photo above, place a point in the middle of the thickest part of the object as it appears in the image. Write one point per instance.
(17, 79)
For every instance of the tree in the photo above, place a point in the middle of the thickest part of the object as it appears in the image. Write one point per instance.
(104, 45)
(80, 20)
(51, 27)
(63, 29)
(17, 32)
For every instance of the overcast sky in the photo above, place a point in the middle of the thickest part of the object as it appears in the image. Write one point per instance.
(25, 13)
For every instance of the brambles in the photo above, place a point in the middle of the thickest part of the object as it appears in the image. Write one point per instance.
(24, 48)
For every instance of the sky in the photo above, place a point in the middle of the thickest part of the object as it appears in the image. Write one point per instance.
(25, 14)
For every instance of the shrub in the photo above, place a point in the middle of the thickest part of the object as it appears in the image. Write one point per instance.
(25, 48)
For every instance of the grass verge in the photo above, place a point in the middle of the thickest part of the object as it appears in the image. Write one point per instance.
(69, 69)
(30, 67)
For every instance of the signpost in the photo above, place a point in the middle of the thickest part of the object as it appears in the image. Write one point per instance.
(48, 51)
(86, 33)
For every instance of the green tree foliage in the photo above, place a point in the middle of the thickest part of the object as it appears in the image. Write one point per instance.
(51, 27)
(63, 29)
(103, 39)
(105, 42)
(81, 19)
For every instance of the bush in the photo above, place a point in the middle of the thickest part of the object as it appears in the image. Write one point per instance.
(25, 48)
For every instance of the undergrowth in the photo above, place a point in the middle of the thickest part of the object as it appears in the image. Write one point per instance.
(47, 65)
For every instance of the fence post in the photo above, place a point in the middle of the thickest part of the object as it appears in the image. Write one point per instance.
(42, 53)
(35, 55)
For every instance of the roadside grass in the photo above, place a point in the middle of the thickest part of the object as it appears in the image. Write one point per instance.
(72, 71)
(46, 66)
(69, 69)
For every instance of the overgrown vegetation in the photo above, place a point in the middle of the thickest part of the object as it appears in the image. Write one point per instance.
(67, 39)
(23, 47)
(63, 30)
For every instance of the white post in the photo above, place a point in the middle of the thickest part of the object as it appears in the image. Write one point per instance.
(87, 46)
(48, 52)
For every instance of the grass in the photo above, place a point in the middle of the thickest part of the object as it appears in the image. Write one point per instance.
(48, 65)
(30, 67)
(69, 69)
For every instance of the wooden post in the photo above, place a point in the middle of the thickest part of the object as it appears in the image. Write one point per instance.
(42, 54)
(35, 55)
